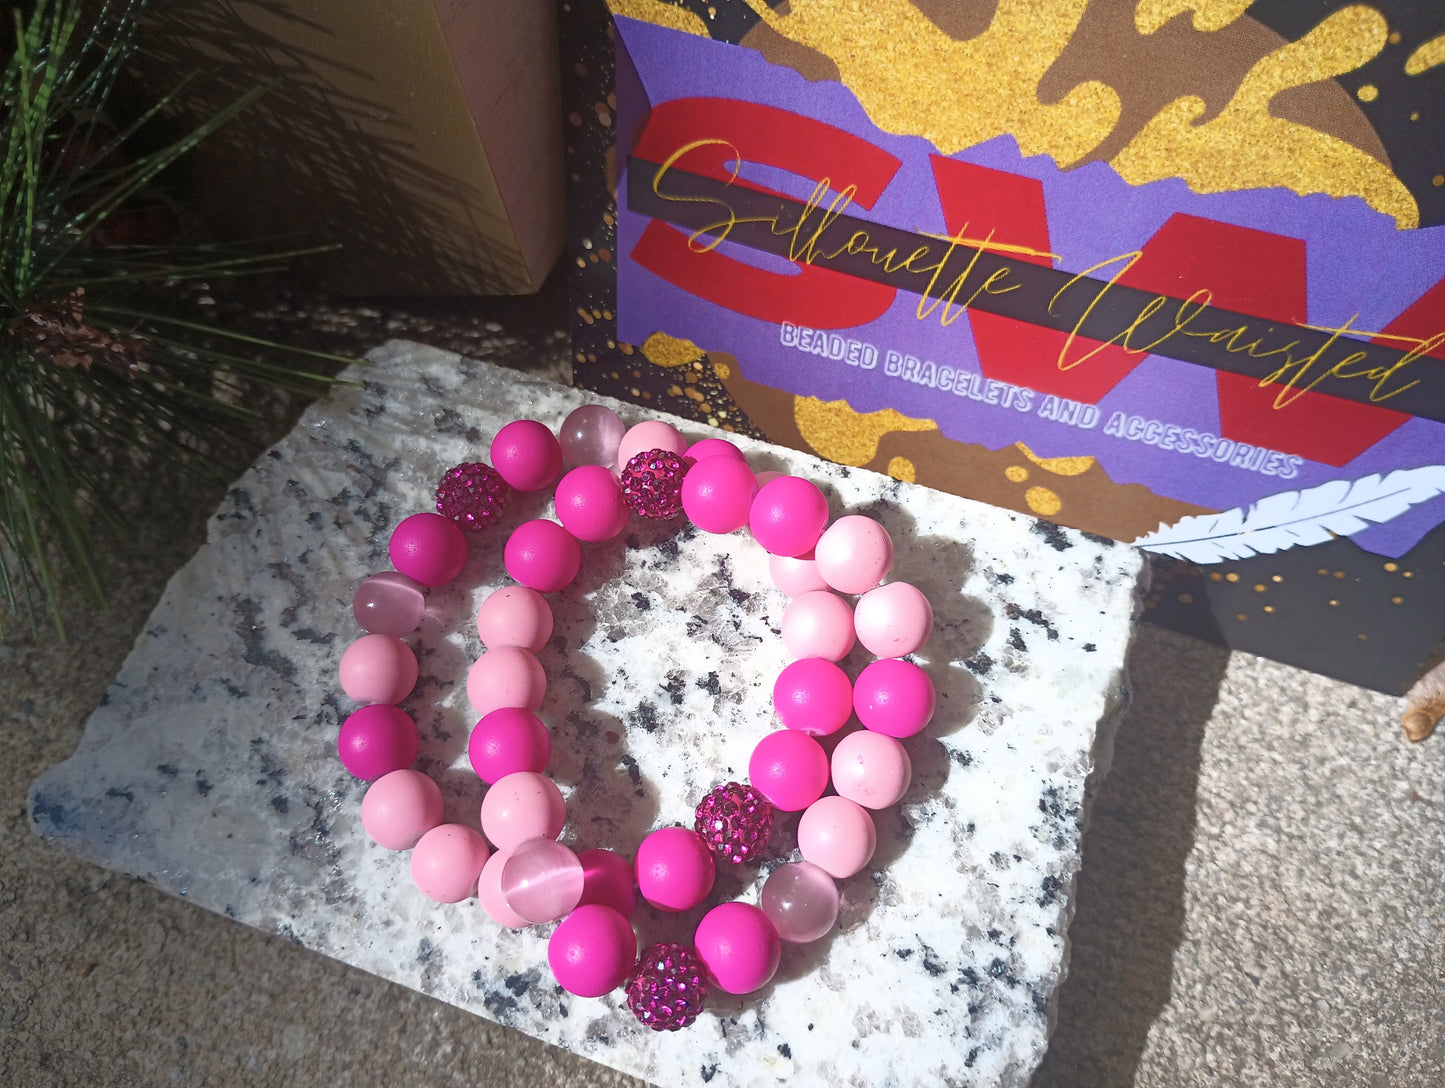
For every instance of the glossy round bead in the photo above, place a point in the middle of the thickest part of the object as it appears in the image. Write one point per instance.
(652, 484)
(377, 740)
(872, 769)
(818, 624)
(837, 835)
(527, 455)
(447, 861)
(428, 548)
(739, 947)
(507, 740)
(790, 769)
(713, 447)
(796, 576)
(489, 893)
(400, 807)
(542, 555)
(788, 515)
(801, 900)
(515, 616)
(593, 951)
(651, 434)
(473, 495)
(675, 869)
(668, 988)
(523, 805)
(590, 435)
(589, 503)
(389, 603)
(854, 554)
(894, 697)
(506, 676)
(814, 696)
(717, 494)
(735, 822)
(378, 669)
(893, 620)
(607, 878)
(542, 880)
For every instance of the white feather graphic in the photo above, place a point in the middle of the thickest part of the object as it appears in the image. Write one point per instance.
(1293, 518)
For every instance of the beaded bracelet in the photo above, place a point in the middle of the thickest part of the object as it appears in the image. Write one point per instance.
(526, 876)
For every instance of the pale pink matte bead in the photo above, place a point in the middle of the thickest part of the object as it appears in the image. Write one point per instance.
(872, 769)
(489, 893)
(788, 515)
(377, 740)
(389, 603)
(590, 435)
(893, 620)
(543, 555)
(589, 503)
(894, 697)
(507, 740)
(795, 576)
(542, 880)
(400, 807)
(515, 616)
(521, 806)
(739, 947)
(789, 768)
(608, 879)
(378, 669)
(854, 554)
(652, 434)
(675, 869)
(801, 900)
(818, 624)
(527, 455)
(447, 862)
(713, 447)
(428, 548)
(717, 494)
(592, 951)
(837, 835)
(506, 676)
(814, 696)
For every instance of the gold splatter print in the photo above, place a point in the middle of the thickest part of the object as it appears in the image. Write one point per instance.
(1059, 466)
(1151, 15)
(670, 351)
(838, 433)
(1426, 57)
(1043, 502)
(661, 14)
(1368, 92)
(1017, 473)
(901, 468)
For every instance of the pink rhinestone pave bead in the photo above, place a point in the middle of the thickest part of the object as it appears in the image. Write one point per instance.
(735, 822)
(668, 987)
(473, 495)
(652, 484)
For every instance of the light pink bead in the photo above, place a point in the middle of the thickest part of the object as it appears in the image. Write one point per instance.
(675, 869)
(543, 555)
(872, 769)
(788, 515)
(818, 624)
(738, 946)
(378, 669)
(589, 503)
(447, 862)
(592, 951)
(507, 740)
(590, 435)
(837, 835)
(527, 455)
(814, 696)
(489, 893)
(894, 697)
(506, 676)
(428, 548)
(893, 620)
(713, 447)
(854, 554)
(400, 807)
(377, 740)
(795, 577)
(608, 879)
(717, 494)
(524, 805)
(542, 880)
(389, 603)
(652, 434)
(801, 900)
(789, 768)
(515, 616)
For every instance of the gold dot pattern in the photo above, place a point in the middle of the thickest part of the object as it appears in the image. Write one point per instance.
(1426, 56)
(1059, 466)
(901, 468)
(670, 351)
(1367, 92)
(1016, 473)
(1043, 502)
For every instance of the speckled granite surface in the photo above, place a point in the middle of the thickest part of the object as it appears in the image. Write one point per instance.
(210, 771)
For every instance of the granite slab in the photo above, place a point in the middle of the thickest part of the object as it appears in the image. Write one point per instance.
(209, 769)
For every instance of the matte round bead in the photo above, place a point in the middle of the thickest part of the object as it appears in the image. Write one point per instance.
(796, 576)
(389, 603)
(428, 548)
(589, 503)
(523, 805)
(854, 554)
(542, 880)
(801, 900)
(377, 740)
(652, 434)
(814, 696)
(894, 697)
(507, 740)
(872, 769)
(527, 455)
(713, 447)
(506, 676)
(717, 494)
(542, 555)
(789, 768)
(400, 807)
(378, 669)
(515, 616)
(788, 515)
(739, 946)
(592, 952)
(818, 624)
(590, 435)
(489, 893)
(837, 835)
(893, 620)
(608, 879)
(447, 862)
(675, 869)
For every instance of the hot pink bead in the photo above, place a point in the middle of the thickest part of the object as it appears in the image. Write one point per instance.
(515, 616)
(801, 900)
(738, 946)
(652, 484)
(589, 503)
(795, 576)
(893, 620)
(389, 603)
(872, 769)
(543, 555)
(668, 988)
(790, 769)
(592, 952)
(378, 669)
(527, 455)
(713, 447)
(506, 676)
(507, 740)
(523, 805)
(428, 548)
(814, 696)
(837, 835)
(788, 515)
(652, 434)
(854, 554)
(447, 861)
(542, 880)
(377, 740)
(400, 807)
(489, 893)
(894, 697)
(717, 494)
(473, 495)
(607, 878)
(735, 821)
(590, 435)
(675, 870)
(818, 624)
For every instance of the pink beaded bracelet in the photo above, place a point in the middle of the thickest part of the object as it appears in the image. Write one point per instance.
(515, 864)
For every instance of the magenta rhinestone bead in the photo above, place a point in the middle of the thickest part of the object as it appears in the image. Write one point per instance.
(652, 484)
(735, 821)
(473, 495)
(667, 988)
